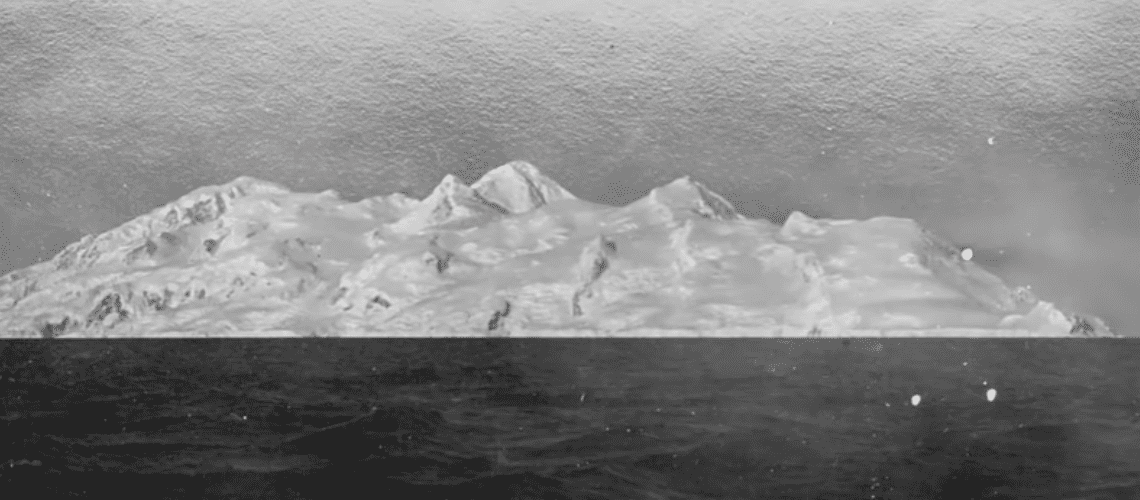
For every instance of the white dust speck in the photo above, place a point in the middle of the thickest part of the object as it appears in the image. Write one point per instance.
(990, 395)
(967, 254)
(991, 141)
(964, 363)
(915, 400)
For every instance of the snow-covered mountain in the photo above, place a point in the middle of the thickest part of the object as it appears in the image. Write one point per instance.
(514, 254)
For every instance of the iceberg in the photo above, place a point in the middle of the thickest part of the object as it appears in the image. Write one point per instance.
(512, 255)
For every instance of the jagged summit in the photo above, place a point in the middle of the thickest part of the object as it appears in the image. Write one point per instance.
(199, 207)
(511, 189)
(450, 201)
(518, 187)
(687, 196)
(503, 257)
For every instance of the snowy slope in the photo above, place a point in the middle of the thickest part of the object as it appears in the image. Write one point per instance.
(514, 254)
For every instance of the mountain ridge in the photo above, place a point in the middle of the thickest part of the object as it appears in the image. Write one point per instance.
(514, 252)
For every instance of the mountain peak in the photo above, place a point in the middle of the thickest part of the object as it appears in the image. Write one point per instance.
(198, 207)
(518, 187)
(450, 201)
(687, 195)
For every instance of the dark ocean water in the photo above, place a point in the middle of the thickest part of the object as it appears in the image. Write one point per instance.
(589, 419)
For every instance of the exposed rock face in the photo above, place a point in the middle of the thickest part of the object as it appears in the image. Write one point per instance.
(513, 254)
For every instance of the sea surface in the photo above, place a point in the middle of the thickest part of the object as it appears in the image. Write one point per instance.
(570, 419)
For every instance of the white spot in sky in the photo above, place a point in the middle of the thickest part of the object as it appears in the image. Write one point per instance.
(990, 395)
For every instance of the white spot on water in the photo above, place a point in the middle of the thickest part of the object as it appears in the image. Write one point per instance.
(990, 395)
(915, 400)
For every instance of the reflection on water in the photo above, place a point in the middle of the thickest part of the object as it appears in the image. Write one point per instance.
(573, 418)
